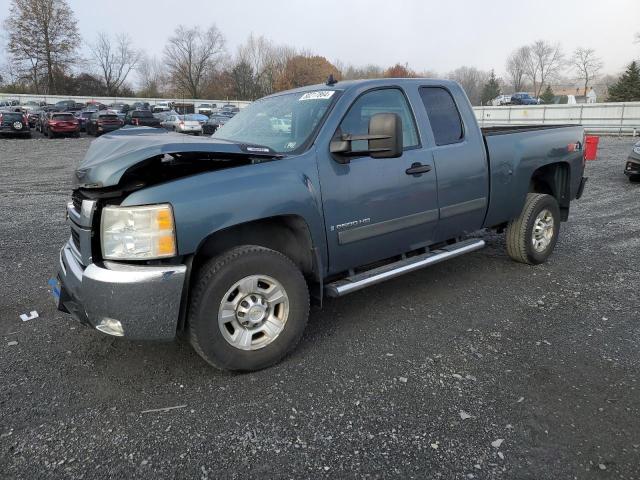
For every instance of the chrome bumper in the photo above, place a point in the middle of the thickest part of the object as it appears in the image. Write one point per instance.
(134, 301)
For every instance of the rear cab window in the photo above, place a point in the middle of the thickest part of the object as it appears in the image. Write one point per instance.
(446, 123)
(65, 117)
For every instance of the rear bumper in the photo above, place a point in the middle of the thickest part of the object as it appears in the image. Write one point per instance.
(64, 130)
(632, 166)
(134, 301)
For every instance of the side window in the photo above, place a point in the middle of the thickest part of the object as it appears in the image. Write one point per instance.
(444, 117)
(388, 100)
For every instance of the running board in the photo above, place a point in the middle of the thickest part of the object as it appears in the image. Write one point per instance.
(392, 270)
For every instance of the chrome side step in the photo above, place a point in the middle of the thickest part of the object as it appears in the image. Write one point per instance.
(386, 272)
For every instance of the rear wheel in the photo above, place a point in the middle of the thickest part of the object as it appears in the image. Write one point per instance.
(532, 236)
(249, 308)
(634, 178)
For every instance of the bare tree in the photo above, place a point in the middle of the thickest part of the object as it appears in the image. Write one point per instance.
(472, 81)
(191, 55)
(150, 77)
(114, 60)
(517, 63)
(43, 38)
(543, 62)
(586, 65)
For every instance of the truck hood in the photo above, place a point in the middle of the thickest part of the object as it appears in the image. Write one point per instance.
(109, 156)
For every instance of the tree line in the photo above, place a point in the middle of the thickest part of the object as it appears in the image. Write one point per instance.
(44, 58)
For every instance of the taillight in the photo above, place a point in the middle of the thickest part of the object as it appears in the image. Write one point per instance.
(24, 119)
(0, 118)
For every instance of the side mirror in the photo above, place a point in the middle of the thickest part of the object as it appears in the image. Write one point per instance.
(384, 139)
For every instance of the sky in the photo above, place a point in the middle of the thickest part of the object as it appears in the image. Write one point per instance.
(428, 35)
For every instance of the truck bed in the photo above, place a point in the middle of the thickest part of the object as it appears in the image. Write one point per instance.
(514, 152)
(506, 129)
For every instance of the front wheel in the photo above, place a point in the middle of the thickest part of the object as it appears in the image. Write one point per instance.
(249, 308)
(532, 236)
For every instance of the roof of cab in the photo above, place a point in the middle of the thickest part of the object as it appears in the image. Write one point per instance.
(344, 85)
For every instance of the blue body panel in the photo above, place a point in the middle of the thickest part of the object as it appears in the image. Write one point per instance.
(359, 212)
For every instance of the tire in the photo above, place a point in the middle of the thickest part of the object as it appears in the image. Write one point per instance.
(217, 280)
(634, 178)
(50, 134)
(520, 231)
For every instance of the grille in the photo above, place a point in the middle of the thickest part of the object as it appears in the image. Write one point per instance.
(76, 198)
(75, 238)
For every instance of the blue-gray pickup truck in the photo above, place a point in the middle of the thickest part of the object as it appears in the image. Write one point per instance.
(321, 190)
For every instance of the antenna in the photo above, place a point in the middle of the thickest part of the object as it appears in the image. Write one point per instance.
(331, 80)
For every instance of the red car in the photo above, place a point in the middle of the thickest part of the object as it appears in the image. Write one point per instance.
(61, 124)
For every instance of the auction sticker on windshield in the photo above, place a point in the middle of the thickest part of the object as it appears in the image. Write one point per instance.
(319, 95)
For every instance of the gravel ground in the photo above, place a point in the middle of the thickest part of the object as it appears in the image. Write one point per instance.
(475, 368)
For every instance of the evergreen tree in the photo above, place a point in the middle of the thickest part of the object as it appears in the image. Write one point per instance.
(548, 95)
(627, 88)
(490, 90)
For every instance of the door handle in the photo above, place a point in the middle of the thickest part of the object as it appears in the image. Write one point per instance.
(417, 168)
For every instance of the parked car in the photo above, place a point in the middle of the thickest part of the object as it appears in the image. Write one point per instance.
(32, 117)
(66, 106)
(182, 124)
(632, 168)
(214, 123)
(206, 108)
(120, 107)
(103, 122)
(14, 123)
(141, 106)
(141, 118)
(227, 237)
(161, 107)
(501, 100)
(201, 119)
(523, 98)
(162, 116)
(83, 117)
(61, 123)
(29, 106)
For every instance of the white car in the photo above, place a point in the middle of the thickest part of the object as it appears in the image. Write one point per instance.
(206, 108)
(501, 100)
(161, 107)
(182, 124)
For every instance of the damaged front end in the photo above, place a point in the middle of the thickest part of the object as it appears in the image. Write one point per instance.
(140, 298)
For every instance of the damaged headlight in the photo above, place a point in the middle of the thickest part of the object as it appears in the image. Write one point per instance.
(138, 233)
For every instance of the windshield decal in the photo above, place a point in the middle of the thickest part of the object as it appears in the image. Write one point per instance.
(319, 95)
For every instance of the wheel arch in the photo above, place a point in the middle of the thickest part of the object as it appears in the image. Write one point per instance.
(287, 234)
(554, 179)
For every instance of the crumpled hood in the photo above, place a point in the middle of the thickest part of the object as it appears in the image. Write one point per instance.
(112, 154)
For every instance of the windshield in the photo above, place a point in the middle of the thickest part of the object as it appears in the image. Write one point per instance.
(282, 123)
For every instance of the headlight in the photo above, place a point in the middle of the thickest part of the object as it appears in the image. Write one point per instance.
(138, 233)
(636, 149)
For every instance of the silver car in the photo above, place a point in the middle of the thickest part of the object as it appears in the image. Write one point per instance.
(182, 124)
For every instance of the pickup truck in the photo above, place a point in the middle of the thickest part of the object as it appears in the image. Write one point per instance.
(226, 239)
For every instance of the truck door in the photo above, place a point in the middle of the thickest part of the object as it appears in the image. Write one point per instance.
(460, 162)
(376, 208)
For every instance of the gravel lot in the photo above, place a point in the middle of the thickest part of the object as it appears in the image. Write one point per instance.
(475, 368)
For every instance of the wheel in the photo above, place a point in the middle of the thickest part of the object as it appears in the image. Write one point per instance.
(532, 236)
(76, 135)
(248, 309)
(49, 134)
(634, 178)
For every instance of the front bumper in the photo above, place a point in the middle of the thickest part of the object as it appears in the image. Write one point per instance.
(135, 301)
(633, 166)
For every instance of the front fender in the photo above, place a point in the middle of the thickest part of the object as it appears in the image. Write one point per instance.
(212, 201)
